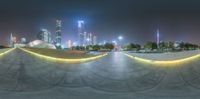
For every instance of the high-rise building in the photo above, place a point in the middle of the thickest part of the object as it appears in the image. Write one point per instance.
(90, 38)
(85, 38)
(94, 40)
(11, 40)
(44, 35)
(69, 44)
(81, 33)
(158, 38)
(58, 33)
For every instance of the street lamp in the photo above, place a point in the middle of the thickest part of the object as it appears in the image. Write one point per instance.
(120, 38)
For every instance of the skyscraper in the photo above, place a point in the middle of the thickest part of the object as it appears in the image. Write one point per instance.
(11, 43)
(90, 38)
(81, 33)
(58, 33)
(94, 40)
(158, 38)
(69, 44)
(44, 35)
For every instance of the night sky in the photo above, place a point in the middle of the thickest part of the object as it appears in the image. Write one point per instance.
(136, 20)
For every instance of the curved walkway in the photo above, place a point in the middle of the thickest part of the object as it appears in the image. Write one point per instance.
(64, 60)
(114, 76)
(165, 62)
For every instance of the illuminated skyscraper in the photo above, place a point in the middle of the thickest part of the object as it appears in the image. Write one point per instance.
(44, 35)
(158, 38)
(69, 44)
(85, 38)
(94, 41)
(90, 38)
(11, 43)
(81, 33)
(58, 33)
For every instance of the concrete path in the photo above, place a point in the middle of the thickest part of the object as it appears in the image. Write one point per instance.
(115, 76)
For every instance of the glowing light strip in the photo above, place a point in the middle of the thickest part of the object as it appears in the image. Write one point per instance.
(62, 59)
(3, 53)
(178, 61)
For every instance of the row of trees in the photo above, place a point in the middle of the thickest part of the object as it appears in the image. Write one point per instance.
(163, 46)
(2, 46)
(132, 46)
(107, 47)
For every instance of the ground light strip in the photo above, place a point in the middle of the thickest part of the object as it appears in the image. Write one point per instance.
(63, 59)
(178, 61)
(3, 53)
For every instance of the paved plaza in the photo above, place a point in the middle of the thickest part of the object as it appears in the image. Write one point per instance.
(115, 76)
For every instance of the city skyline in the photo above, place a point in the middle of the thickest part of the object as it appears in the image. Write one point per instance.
(135, 20)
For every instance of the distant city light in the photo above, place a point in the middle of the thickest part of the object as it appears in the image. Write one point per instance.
(120, 37)
(80, 22)
(74, 44)
(114, 42)
(88, 39)
(104, 42)
(58, 44)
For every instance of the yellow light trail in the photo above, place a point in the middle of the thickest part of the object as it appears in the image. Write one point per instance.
(167, 62)
(3, 53)
(63, 59)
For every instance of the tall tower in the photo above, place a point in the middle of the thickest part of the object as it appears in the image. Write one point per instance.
(11, 40)
(94, 40)
(81, 33)
(90, 38)
(158, 37)
(58, 33)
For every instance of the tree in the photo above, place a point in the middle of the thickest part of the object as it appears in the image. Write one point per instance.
(109, 46)
(150, 45)
(163, 45)
(171, 45)
(132, 46)
(96, 47)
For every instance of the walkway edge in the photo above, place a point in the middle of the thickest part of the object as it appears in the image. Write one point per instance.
(178, 61)
(63, 59)
(6, 52)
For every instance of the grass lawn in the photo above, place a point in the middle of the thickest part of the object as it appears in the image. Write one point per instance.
(61, 53)
(4, 49)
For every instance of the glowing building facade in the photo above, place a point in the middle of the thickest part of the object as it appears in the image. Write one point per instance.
(94, 41)
(81, 33)
(58, 33)
(44, 35)
(158, 38)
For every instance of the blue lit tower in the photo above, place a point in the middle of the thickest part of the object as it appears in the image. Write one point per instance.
(158, 37)
(58, 33)
(81, 33)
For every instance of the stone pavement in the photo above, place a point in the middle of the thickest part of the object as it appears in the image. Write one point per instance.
(115, 76)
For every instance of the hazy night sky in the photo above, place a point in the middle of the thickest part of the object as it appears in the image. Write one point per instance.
(136, 20)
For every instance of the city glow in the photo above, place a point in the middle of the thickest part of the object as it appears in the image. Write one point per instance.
(64, 60)
(178, 61)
